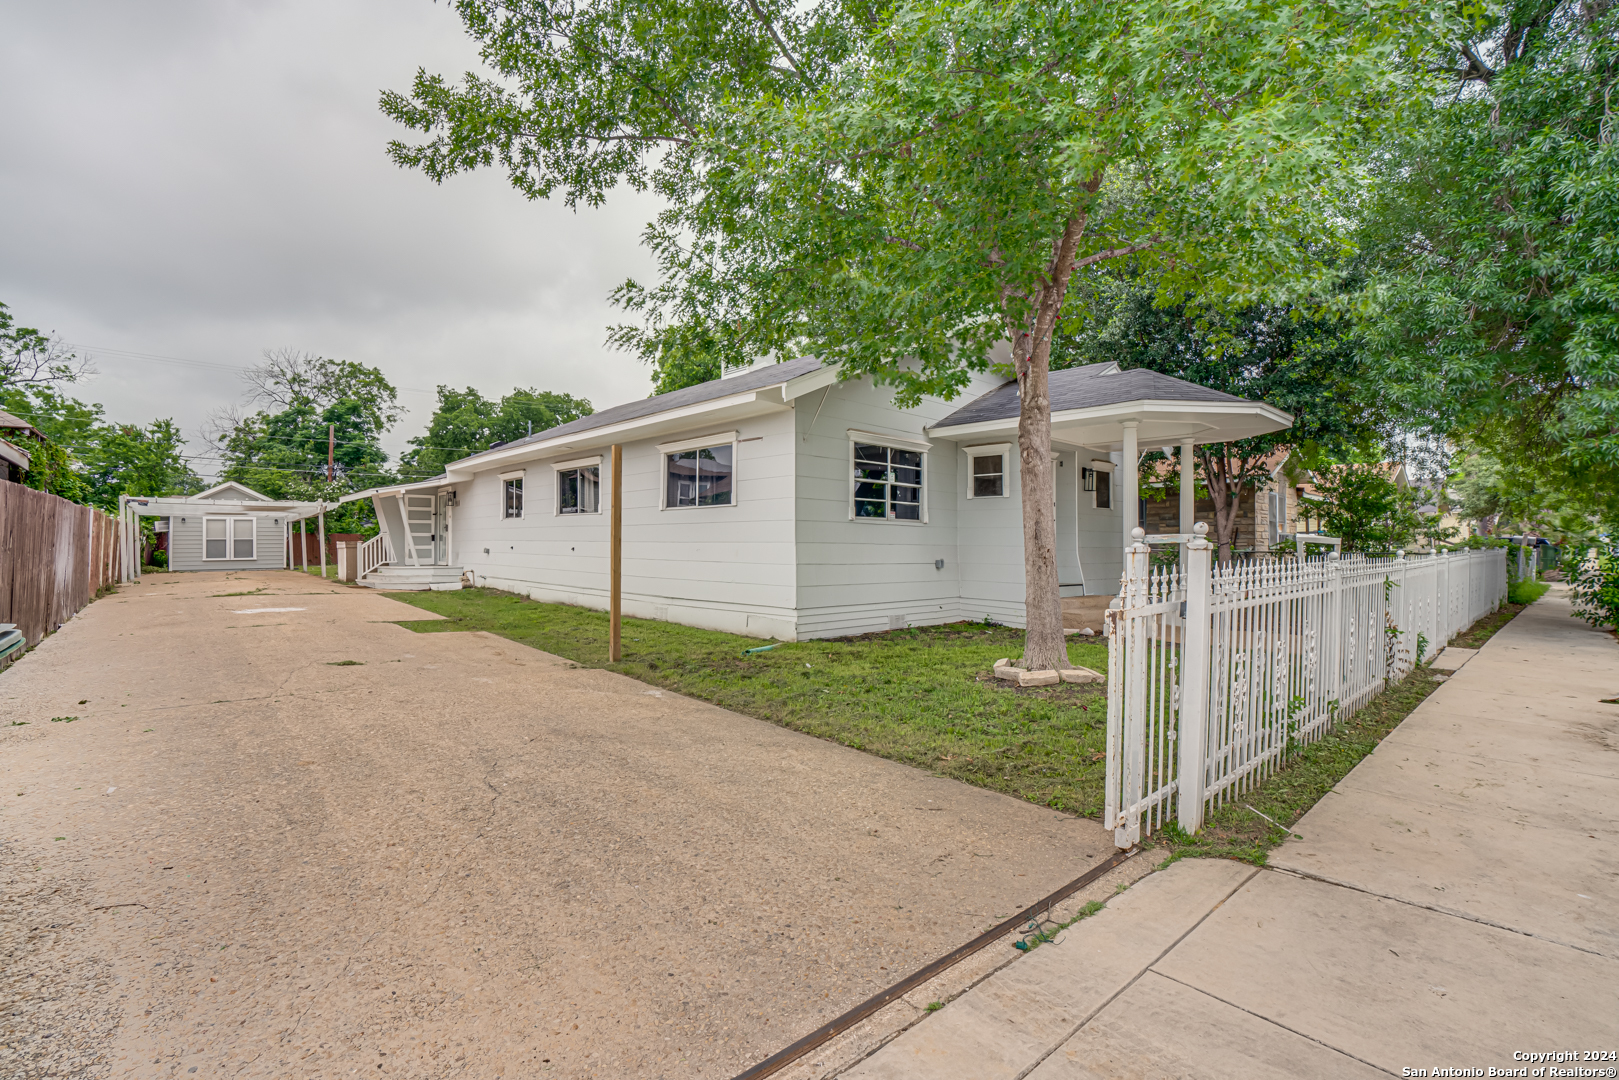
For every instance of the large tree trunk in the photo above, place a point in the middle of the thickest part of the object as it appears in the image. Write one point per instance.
(1044, 645)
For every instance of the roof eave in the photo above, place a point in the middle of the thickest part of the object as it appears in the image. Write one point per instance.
(772, 398)
(1144, 408)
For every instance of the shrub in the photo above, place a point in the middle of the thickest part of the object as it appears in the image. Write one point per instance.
(1594, 582)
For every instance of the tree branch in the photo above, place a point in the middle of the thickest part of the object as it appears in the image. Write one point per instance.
(1114, 253)
(780, 44)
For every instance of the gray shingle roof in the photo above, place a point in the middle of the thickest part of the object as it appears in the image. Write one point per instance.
(756, 379)
(1085, 388)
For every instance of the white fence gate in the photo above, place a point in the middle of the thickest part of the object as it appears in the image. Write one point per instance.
(1215, 675)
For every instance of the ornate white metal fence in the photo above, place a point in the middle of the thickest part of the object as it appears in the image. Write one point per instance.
(1215, 675)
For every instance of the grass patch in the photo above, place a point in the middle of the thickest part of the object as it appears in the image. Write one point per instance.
(249, 592)
(345, 663)
(923, 696)
(1524, 593)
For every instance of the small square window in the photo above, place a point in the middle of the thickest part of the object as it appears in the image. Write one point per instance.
(989, 476)
(699, 477)
(514, 497)
(579, 490)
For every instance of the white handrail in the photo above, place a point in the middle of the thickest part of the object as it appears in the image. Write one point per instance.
(375, 552)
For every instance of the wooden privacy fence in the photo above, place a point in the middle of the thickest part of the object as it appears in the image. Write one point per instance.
(55, 556)
(1217, 674)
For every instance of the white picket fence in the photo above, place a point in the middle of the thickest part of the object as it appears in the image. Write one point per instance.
(1215, 674)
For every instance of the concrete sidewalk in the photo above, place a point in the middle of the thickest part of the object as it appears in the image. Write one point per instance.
(1452, 903)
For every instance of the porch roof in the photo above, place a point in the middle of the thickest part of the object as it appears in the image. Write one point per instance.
(180, 506)
(1090, 405)
(433, 484)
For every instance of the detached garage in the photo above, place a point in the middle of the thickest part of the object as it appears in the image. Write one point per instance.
(228, 527)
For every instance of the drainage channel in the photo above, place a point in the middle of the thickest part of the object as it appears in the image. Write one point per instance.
(831, 1030)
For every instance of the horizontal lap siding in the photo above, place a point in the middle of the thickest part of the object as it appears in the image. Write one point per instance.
(858, 576)
(722, 567)
(186, 549)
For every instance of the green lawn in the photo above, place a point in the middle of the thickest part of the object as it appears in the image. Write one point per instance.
(922, 696)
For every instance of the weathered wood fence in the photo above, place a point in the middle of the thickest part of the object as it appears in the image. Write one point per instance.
(55, 557)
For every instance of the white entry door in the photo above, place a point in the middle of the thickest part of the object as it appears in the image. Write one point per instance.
(419, 532)
(441, 530)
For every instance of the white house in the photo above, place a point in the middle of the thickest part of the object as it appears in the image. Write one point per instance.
(784, 502)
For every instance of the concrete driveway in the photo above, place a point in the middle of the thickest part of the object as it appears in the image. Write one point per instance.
(456, 856)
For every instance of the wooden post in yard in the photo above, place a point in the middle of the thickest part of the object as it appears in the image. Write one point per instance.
(322, 525)
(615, 561)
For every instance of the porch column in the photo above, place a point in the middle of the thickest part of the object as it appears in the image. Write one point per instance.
(1129, 481)
(1188, 489)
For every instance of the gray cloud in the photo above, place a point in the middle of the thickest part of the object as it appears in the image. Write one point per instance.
(205, 180)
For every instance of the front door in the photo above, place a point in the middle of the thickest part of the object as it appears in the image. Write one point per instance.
(420, 522)
(441, 530)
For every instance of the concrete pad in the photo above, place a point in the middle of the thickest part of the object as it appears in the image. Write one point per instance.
(455, 855)
(1584, 741)
(1551, 883)
(1211, 1040)
(1006, 1025)
(1392, 984)
(1451, 658)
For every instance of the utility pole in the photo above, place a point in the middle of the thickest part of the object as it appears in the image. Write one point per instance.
(331, 448)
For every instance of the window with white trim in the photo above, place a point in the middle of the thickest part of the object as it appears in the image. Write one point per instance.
(987, 471)
(513, 488)
(704, 476)
(579, 490)
(887, 482)
(228, 538)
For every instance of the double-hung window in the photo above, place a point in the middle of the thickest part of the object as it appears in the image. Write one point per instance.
(227, 538)
(512, 489)
(700, 477)
(579, 489)
(887, 482)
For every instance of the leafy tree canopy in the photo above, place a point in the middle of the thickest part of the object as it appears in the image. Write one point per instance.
(903, 188)
(466, 422)
(88, 460)
(1303, 359)
(1491, 231)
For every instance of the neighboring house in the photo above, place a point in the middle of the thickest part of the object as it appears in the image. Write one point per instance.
(228, 527)
(1269, 511)
(783, 502)
(16, 437)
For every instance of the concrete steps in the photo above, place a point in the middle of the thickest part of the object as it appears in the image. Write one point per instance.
(414, 578)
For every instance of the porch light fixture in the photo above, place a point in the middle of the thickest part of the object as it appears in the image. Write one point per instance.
(1087, 479)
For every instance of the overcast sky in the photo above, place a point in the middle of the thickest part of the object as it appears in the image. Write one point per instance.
(202, 181)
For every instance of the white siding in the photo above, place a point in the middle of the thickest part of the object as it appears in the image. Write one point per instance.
(185, 544)
(858, 576)
(1101, 532)
(721, 567)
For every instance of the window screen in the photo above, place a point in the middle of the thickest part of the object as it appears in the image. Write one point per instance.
(1104, 490)
(579, 490)
(215, 538)
(989, 476)
(699, 477)
(241, 538)
(514, 497)
(887, 483)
